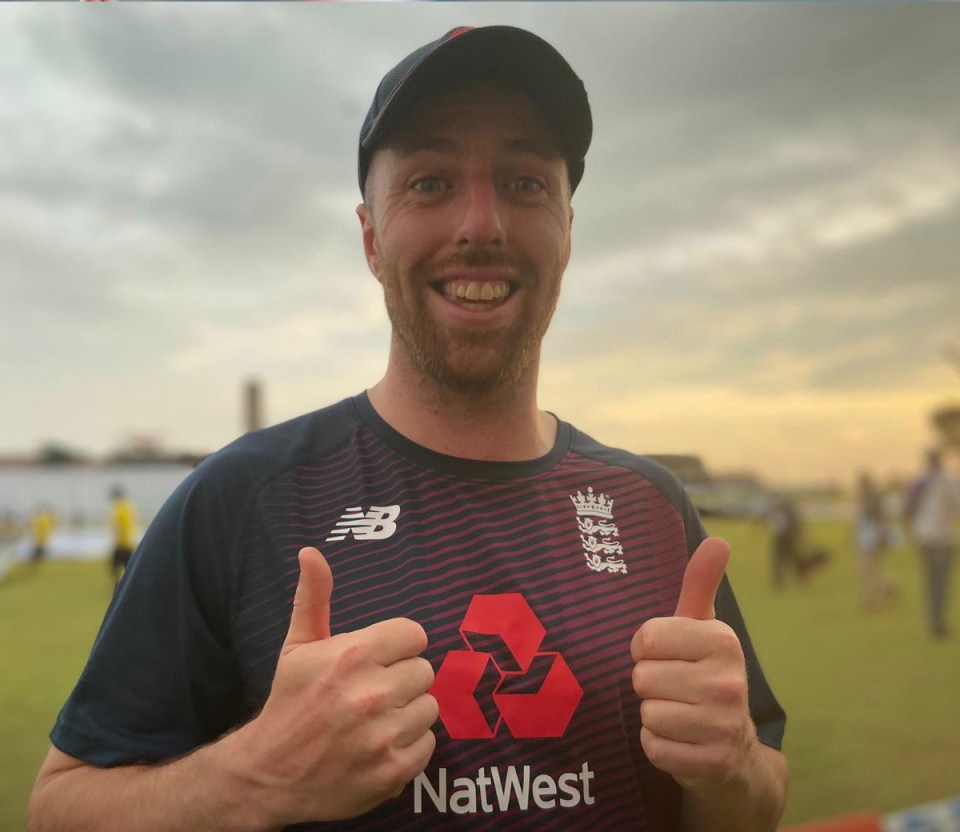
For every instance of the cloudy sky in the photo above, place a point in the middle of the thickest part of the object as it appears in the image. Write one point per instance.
(766, 260)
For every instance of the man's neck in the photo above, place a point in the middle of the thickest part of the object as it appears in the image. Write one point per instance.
(504, 426)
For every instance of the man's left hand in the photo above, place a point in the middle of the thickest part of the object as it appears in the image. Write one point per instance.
(691, 675)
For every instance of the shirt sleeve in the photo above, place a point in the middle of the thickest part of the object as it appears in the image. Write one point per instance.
(160, 679)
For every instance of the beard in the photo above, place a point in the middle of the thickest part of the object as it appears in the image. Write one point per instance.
(465, 360)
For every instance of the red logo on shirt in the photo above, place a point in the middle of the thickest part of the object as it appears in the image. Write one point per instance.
(504, 677)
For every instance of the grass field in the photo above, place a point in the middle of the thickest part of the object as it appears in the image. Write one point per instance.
(872, 701)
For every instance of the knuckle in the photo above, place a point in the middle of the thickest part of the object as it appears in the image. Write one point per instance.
(726, 640)
(646, 638)
(352, 655)
(730, 688)
(384, 740)
(733, 736)
(366, 700)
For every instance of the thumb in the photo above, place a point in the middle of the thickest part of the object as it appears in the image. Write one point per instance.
(310, 620)
(701, 580)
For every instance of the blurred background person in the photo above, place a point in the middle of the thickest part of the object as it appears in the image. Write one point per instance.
(123, 520)
(783, 520)
(874, 537)
(42, 524)
(932, 508)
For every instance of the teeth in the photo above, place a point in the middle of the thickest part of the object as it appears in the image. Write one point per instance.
(473, 291)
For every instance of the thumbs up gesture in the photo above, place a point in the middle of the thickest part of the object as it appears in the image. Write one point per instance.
(691, 675)
(347, 722)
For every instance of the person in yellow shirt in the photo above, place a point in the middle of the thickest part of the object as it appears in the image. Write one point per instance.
(124, 522)
(42, 524)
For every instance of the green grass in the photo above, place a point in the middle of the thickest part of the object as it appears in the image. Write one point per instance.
(871, 700)
(48, 620)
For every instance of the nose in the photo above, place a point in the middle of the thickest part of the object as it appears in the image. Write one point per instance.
(482, 223)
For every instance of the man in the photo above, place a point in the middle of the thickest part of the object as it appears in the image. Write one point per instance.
(483, 562)
(932, 508)
(123, 519)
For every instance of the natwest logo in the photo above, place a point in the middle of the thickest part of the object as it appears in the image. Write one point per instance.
(504, 677)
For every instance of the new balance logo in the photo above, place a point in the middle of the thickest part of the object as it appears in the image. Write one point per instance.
(376, 523)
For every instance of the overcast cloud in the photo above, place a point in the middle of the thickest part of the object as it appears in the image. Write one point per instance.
(770, 214)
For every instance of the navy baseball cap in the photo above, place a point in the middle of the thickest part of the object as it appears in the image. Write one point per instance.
(489, 53)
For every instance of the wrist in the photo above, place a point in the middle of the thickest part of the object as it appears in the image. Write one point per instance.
(752, 797)
(249, 800)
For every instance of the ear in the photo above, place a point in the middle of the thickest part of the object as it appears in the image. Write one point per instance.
(569, 242)
(364, 214)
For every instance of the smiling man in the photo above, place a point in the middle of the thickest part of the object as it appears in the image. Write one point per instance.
(510, 625)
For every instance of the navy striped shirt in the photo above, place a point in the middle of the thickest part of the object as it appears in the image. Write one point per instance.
(529, 578)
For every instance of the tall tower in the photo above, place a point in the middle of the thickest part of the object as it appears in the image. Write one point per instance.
(252, 405)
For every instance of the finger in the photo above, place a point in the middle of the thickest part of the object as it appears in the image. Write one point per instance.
(310, 620)
(417, 755)
(707, 764)
(701, 579)
(393, 640)
(684, 639)
(679, 722)
(408, 679)
(679, 681)
(676, 758)
(416, 719)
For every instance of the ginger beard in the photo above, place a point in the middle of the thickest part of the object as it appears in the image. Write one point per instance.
(465, 359)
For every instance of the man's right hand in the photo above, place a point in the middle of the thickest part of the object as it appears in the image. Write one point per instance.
(347, 723)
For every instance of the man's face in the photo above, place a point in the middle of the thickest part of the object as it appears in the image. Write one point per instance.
(467, 227)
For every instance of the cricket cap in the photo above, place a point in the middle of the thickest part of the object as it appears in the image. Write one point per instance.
(489, 53)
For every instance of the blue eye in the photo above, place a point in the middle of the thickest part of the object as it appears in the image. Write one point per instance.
(429, 185)
(527, 185)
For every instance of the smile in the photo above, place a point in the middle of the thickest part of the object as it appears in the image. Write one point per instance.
(474, 291)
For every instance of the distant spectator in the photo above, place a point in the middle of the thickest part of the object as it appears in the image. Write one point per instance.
(933, 505)
(42, 524)
(785, 529)
(874, 537)
(787, 543)
(124, 522)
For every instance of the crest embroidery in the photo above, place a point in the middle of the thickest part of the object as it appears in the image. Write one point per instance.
(598, 532)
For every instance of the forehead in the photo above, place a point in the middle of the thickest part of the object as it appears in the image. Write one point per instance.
(474, 108)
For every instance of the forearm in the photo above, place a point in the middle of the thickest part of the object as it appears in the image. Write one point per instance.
(753, 801)
(206, 791)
